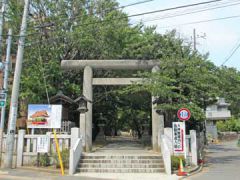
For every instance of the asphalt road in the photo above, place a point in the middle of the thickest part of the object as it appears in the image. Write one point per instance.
(222, 163)
(21, 174)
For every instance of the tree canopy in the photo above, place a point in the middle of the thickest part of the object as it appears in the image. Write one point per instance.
(99, 29)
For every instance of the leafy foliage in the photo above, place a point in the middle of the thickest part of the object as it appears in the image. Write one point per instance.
(83, 29)
(232, 124)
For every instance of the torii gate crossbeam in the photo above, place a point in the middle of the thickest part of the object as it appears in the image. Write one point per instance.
(89, 81)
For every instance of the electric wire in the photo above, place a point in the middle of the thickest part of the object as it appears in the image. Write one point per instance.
(203, 21)
(106, 10)
(162, 10)
(170, 16)
(232, 53)
(195, 22)
(188, 13)
(151, 12)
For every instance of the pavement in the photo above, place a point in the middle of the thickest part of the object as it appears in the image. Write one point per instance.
(222, 162)
(22, 174)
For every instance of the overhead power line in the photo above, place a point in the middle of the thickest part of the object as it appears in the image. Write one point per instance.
(50, 24)
(134, 4)
(134, 15)
(191, 12)
(145, 13)
(203, 21)
(195, 22)
(104, 21)
(174, 8)
(232, 53)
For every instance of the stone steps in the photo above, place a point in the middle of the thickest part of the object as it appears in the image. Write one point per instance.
(121, 164)
(120, 161)
(114, 165)
(120, 157)
(120, 170)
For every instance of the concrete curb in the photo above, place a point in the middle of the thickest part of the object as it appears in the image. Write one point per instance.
(2, 172)
(193, 172)
(40, 169)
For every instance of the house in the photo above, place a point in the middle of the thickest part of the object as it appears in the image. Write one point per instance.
(214, 113)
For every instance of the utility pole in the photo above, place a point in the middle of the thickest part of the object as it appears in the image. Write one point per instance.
(194, 40)
(15, 90)
(6, 70)
(4, 2)
(5, 87)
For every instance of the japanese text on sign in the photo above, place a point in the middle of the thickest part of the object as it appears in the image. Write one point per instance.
(43, 144)
(178, 137)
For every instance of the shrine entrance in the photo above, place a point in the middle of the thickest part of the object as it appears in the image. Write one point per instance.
(89, 81)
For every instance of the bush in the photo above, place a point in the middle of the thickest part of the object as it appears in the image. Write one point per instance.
(232, 124)
(65, 158)
(175, 162)
(44, 160)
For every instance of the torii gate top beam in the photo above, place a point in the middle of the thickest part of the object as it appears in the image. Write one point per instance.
(109, 64)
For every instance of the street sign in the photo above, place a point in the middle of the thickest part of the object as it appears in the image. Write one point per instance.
(179, 138)
(3, 97)
(2, 103)
(184, 114)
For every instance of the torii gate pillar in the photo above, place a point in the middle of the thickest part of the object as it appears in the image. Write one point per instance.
(89, 81)
(88, 93)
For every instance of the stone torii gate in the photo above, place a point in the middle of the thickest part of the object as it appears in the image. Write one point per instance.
(89, 81)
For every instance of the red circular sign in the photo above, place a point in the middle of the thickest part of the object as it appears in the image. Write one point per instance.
(184, 114)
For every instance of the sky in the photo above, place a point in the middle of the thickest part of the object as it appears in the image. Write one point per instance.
(219, 38)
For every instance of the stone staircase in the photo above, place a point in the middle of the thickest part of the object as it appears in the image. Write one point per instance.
(121, 163)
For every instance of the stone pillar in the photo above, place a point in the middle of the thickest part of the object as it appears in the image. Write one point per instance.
(74, 136)
(155, 117)
(49, 141)
(88, 93)
(160, 128)
(194, 149)
(82, 123)
(20, 146)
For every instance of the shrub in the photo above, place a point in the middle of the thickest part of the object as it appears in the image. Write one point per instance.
(238, 143)
(65, 158)
(44, 160)
(232, 124)
(175, 162)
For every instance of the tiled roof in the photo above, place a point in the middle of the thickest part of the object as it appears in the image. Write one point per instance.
(42, 113)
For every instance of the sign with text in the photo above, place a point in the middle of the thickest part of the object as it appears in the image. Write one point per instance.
(3, 98)
(178, 138)
(184, 114)
(44, 116)
(43, 144)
